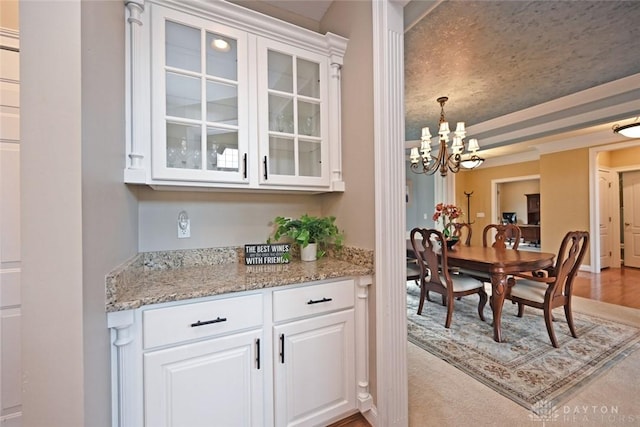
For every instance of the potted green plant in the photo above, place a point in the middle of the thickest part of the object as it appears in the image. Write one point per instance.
(313, 234)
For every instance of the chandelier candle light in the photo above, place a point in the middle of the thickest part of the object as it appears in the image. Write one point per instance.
(444, 162)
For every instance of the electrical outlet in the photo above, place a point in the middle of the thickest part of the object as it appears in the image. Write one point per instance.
(184, 225)
(480, 215)
(426, 216)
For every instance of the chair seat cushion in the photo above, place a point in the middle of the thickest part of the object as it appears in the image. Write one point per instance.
(529, 290)
(413, 272)
(463, 283)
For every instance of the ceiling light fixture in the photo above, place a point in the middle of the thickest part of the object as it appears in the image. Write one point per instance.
(423, 162)
(630, 131)
(220, 45)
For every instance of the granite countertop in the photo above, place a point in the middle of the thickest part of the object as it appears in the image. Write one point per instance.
(158, 277)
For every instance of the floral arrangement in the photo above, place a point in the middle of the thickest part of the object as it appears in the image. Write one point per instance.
(448, 212)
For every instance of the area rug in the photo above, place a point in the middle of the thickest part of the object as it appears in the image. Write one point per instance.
(525, 367)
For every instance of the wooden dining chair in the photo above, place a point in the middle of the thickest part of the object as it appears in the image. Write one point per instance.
(435, 276)
(552, 288)
(505, 233)
(462, 229)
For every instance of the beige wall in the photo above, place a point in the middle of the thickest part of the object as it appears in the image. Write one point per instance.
(217, 219)
(109, 208)
(479, 181)
(9, 14)
(356, 207)
(78, 219)
(513, 198)
(624, 157)
(564, 196)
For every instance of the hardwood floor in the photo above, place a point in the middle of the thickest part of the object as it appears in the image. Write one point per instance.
(620, 286)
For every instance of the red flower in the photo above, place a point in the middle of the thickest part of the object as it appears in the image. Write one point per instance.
(448, 212)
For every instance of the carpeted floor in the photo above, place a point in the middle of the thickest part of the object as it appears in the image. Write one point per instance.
(441, 394)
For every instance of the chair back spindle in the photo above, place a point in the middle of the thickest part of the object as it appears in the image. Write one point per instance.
(504, 233)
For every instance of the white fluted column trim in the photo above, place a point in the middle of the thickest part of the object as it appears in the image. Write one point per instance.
(391, 323)
(137, 92)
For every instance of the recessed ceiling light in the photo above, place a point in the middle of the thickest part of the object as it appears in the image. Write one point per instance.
(221, 45)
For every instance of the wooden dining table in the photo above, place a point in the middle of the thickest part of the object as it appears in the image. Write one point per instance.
(498, 263)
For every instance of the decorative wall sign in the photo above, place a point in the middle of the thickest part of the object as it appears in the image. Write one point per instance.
(266, 253)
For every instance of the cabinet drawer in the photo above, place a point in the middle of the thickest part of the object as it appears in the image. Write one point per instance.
(171, 325)
(311, 300)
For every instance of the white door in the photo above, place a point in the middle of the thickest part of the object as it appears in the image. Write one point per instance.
(605, 187)
(631, 220)
(314, 369)
(218, 382)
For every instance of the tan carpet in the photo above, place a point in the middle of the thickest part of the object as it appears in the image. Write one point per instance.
(441, 395)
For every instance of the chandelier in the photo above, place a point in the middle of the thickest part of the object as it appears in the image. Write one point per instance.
(422, 161)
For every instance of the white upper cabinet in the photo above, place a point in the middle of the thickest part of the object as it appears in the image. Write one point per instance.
(199, 92)
(293, 141)
(224, 97)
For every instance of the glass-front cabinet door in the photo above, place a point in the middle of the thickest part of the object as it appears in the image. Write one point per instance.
(292, 116)
(200, 123)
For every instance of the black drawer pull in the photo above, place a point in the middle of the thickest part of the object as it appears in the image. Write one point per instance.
(318, 301)
(257, 353)
(281, 348)
(208, 322)
(244, 169)
(266, 173)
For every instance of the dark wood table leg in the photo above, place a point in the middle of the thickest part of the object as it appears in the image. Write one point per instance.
(498, 288)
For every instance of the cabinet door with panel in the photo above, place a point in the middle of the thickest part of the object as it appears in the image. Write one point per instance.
(292, 86)
(314, 370)
(314, 353)
(199, 99)
(214, 382)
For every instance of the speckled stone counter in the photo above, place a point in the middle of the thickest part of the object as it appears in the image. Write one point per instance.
(156, 277)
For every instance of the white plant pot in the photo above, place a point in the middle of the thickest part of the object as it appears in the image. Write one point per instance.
(309, 252)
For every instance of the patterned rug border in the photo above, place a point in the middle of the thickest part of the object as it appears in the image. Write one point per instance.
(558, 391)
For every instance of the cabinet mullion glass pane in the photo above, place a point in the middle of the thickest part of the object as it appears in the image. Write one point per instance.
(280, 72)
(282, 156)
(184, 146)
(281, 114)
(222, 103)
(308, 118)
(308, 78)
(222, 150)
(183, 96)
(222, 56)
(182, 46)
(310, 158)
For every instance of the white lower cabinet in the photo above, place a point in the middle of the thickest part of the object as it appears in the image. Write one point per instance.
(214, 382)
(277, 357)
(314, 369)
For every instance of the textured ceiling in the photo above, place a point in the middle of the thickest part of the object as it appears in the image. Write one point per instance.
(492, 58)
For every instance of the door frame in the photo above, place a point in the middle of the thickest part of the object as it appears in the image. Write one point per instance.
(494, 190)
(594, 202)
